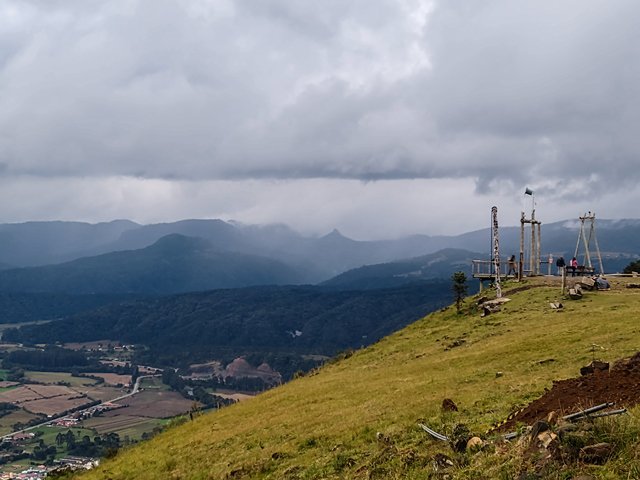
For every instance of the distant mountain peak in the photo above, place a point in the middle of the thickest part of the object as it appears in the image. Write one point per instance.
(335, 234)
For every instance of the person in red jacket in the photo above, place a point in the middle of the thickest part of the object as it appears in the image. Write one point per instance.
(573, 265)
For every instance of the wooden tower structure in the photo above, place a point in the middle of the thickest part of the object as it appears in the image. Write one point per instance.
(535, 245)
(585, 239)
(496, 250)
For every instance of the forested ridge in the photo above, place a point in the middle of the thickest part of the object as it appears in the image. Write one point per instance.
(240, 321)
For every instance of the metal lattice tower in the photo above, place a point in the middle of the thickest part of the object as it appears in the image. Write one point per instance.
(585, 239)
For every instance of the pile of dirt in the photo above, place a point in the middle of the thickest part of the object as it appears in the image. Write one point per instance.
(619, 385)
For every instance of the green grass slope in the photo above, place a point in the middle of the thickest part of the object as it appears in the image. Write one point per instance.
(357, 417)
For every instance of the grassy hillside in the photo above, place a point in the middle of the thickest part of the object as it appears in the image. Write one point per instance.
(356, 418)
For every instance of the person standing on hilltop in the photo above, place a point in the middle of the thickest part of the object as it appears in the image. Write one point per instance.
(573, 265)
(512, 265)
(560, 264)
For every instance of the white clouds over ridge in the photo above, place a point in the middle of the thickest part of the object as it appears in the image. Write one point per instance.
(498, 93)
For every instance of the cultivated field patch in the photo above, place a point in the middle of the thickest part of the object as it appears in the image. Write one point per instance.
(103, 392)
(123, 425)
(19, 395)
(50, 391)
(56, 405)
(153, 404)
(59, 377)
(19, 416)
(113, 378)
(154, 383)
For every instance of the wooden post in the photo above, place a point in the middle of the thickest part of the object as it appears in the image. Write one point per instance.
(496, 250)
(532, 255)
(564, 279)
(521, 262)
(538, 247)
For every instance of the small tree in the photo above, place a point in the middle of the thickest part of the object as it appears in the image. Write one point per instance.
(459, 288)
(632, 267)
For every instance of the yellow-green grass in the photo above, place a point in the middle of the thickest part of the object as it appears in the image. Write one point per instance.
(342, 421)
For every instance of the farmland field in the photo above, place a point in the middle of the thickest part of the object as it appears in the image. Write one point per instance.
(55, 405)
(153, 404)
(50, 391)
(113, 378)
(123, 425)
(19, 395)
(19, 416)
(103, 392)
(57, 377)
(153, 383)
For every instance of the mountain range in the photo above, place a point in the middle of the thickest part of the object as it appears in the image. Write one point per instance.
(231, 254)
(173, 264)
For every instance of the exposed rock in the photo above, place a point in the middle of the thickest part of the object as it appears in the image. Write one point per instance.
(539, 427)
(547, 438)
(492, 306)
(441, 462)
(552, 418)
(449, 405)
(593, 366)
(475, 443)
(587, 283)
(575, 293)
(598, 453)
(456, 343)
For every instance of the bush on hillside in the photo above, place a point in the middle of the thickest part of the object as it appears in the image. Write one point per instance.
(632, 267)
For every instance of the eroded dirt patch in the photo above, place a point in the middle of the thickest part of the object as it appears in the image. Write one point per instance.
(621, 385)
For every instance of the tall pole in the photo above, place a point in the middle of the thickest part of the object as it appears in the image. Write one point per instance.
(521, 262)
(595, 238)
(496, 251)
(533, 243)
(538, 247)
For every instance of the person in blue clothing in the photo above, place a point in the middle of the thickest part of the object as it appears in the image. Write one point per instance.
(560, 264)
(512, 265)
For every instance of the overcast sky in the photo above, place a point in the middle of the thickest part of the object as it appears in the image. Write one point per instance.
(378, 117)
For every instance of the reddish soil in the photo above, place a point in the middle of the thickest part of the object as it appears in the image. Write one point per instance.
(621, 385)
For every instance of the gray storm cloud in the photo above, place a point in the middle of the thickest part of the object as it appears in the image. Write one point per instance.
(501, 92)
